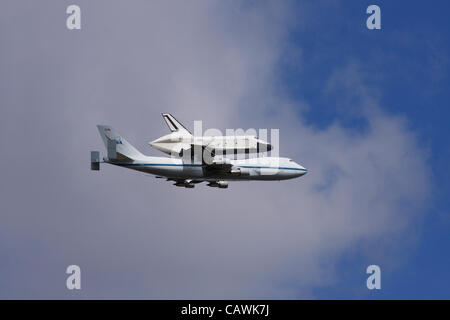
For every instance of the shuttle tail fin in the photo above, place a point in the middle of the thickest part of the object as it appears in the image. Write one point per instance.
(174, 125)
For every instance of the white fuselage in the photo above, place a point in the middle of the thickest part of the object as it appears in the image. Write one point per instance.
(175, 142)
(263, 168)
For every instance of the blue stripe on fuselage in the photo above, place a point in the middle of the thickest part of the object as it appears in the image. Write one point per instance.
(198, 165)
(264, 167)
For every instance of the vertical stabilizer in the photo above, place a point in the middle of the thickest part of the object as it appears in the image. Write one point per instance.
(174, 125)
(118, 148)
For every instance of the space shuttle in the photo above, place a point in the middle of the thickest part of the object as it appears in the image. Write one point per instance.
(211, 168)
(181, 140)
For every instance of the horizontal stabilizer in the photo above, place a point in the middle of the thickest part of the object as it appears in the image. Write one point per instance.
(95, 160)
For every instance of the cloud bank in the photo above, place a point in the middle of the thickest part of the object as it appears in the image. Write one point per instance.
(137, 237)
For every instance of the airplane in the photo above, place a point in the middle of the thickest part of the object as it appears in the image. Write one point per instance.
(189, 171)
(181, 140)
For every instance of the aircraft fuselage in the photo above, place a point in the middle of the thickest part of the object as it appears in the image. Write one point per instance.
(266, 168)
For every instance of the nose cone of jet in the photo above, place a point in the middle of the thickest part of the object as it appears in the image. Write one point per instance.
(301, 171)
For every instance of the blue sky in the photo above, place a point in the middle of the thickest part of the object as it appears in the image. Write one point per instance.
(366, 111)
(408, 64)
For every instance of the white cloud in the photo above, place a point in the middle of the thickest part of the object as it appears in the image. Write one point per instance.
(139, 237)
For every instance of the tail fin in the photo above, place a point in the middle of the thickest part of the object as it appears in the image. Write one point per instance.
(173, 124)
(123, 149)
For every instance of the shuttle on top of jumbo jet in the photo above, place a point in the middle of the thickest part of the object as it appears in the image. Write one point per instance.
(180, 139)
(196, 159)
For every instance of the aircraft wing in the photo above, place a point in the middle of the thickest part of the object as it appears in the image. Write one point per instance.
(219, 166)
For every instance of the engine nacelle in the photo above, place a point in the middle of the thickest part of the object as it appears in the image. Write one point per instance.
(185, 184)
(218, 184)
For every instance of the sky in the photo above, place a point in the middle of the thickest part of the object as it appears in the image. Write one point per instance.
(364, 110)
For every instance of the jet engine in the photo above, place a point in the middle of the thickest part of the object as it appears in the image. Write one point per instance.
(186, 184)
(218, 184)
